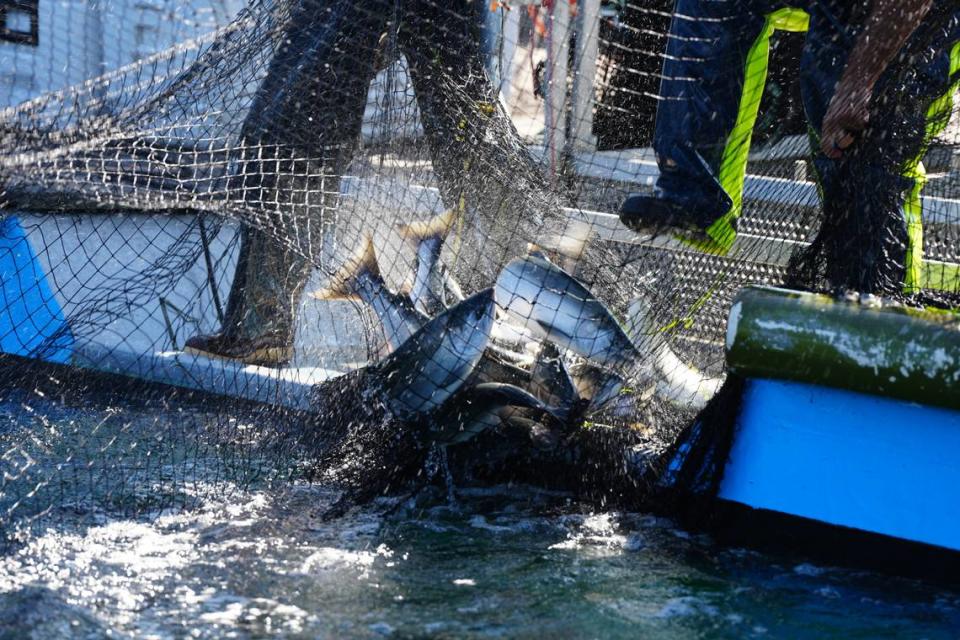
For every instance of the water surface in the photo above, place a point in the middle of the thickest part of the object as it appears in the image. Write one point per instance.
(255, 559)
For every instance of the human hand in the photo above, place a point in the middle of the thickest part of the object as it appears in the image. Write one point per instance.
(847, 116)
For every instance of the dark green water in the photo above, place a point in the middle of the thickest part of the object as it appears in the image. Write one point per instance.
(264, 565)
(508, 562)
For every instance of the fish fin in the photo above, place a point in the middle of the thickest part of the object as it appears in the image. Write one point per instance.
(343, 284)
(566, 247)
(572, 241)
(535, 250)
(597, 385)
(451, 288)
(406, 288)
(436, 227)
(551, 381)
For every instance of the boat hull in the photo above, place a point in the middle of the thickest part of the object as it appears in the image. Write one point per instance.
(120, 293)
(862, 462)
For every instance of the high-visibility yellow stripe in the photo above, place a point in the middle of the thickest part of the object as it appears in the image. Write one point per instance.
(733, 163)
(938, 115)
(940, 276)
(913, 217)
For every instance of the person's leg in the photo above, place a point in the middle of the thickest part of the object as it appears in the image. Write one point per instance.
(714, 72)
(297, 138)
(871, 234)
(484, 170)
(921, 274)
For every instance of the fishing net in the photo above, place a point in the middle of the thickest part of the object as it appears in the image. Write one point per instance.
(376, 242)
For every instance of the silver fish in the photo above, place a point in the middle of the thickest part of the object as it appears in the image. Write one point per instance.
(596, 385)
(433, 364)
(677, 381)
(550, 380)
(433, 287)
(567, 247)
(481, 407)
(556, 307)
(359, 278)
(514, 338)
(498, 365)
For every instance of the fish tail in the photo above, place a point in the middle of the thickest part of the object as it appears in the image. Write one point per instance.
(536, 251)
(551, 382)
(343, 284)
(437, 227)
(406, 288)
(678, 381)
(569, 244)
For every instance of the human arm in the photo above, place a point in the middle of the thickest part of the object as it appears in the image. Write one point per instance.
(889, 25)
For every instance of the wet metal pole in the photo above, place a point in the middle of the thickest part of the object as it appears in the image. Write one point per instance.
(585, 71)
(501, 35)
(558, 51)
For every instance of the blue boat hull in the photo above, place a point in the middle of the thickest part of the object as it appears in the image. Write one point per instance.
(853, 460)
(56, 272)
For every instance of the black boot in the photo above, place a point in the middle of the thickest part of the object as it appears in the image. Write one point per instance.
(268, 350)
(654, 213)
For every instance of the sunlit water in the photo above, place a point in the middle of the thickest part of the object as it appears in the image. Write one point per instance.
(504, 562)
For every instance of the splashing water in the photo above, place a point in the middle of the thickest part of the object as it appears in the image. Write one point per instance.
(503, 561)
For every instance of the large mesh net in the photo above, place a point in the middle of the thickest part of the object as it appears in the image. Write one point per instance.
(383, 235)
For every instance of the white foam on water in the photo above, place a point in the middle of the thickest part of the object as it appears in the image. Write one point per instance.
(330, 559)
(644, 611)
(263, 614)
(684, 606)
(596, 531)
(480, 522)
(807, 569)
(121, 563)
(381, 628)
(150, 577)
(335, 559)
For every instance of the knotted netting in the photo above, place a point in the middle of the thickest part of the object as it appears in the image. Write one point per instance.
(384, 234)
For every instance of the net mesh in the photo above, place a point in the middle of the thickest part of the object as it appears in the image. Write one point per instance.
(300, 207)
